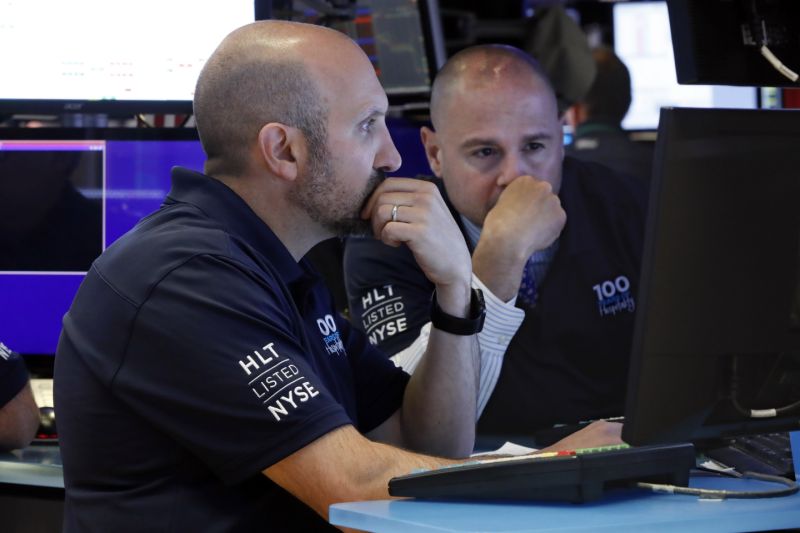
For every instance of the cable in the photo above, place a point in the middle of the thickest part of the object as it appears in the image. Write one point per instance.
(712, 494)
(755, 413)
(765, 51)
(775, 62)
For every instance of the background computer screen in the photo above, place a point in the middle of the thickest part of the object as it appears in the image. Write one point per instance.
(719, 41)
(643, 41)
(65, 195)
(718, 316)
(402, 38)
(100, 56)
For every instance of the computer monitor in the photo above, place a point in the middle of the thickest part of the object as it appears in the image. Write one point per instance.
(403, 39)
(718, 315)
(719, 41)
(643, 41)
(96, 56)
(65, 195)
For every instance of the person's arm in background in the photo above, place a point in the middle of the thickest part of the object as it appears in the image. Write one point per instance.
(19, 414)
(527, 218)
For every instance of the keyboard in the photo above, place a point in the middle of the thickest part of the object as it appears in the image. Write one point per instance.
(574, 476)
(769, 453)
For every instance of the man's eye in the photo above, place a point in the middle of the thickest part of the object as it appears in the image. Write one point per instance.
(368, 124)
(483, 153)
(534, 146)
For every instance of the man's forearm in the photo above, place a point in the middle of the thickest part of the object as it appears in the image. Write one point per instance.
(440, 404)
(344, 466)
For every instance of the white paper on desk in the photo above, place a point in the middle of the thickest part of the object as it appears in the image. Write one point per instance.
(509, 448)
(42, 392)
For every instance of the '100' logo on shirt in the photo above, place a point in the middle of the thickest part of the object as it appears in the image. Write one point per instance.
(331, 337)
(614, 296)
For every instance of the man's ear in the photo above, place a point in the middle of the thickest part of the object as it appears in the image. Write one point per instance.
(279, 145)
(432, 150)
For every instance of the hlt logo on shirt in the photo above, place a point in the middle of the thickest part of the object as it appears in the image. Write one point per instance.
(276, 381)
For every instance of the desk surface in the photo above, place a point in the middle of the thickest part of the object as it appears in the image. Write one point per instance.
(621, 510)
(37, 466)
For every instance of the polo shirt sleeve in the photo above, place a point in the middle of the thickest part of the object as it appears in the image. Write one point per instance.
(217, 361)
(13, 374)
(389, 296)
(378, 383)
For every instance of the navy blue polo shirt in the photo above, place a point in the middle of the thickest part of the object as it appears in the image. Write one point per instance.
(197, 353)
(568, 360)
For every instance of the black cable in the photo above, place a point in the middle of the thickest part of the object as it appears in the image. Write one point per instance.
(755, 413)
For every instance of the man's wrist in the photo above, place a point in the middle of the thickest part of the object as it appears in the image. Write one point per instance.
(469, 325)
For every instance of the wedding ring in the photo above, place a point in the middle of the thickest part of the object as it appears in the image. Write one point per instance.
(394, 212)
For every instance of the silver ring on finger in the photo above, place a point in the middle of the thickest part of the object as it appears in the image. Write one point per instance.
(394, 212)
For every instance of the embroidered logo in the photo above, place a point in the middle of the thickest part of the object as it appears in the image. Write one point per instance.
(331, 337)
(384, 314)
(276, 381)
(614, 296)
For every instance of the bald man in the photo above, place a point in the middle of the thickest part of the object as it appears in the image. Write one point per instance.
(555, 244)
(203, 380)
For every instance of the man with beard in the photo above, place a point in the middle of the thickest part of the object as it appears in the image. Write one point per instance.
(556, 246)
(203, 380)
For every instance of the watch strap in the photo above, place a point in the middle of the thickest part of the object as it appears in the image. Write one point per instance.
(470, 325)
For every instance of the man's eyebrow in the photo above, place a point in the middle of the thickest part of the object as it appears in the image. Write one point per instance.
(488, 141)
(374, 111)
(541, 136)
(478, 141)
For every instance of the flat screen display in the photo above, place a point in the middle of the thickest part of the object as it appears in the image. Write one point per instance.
(100, 56)
(643, 41)
(65, 196)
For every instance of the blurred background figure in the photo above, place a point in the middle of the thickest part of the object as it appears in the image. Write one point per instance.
(596, 120)
(19, 414)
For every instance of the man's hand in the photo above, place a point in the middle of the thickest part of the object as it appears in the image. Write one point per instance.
(599, 433)
(527, 218)
(423, 222)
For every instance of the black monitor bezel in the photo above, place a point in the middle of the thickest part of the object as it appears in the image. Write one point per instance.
(646, 421)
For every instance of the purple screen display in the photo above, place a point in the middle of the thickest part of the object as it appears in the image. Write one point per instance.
(32, 304)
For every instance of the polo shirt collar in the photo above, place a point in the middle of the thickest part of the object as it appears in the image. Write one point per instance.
(221, 203)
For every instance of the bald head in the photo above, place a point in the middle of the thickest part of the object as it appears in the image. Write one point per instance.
(482, 67)
(263, 72)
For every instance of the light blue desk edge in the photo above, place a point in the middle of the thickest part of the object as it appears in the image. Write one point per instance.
(380, 519)
(31, 474)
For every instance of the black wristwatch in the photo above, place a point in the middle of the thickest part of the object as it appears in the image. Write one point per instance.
(470, 325)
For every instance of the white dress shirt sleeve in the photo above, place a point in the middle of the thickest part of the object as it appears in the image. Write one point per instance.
(503, 320)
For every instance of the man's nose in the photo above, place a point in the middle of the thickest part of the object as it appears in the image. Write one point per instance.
(388, 158)
(513, 166)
